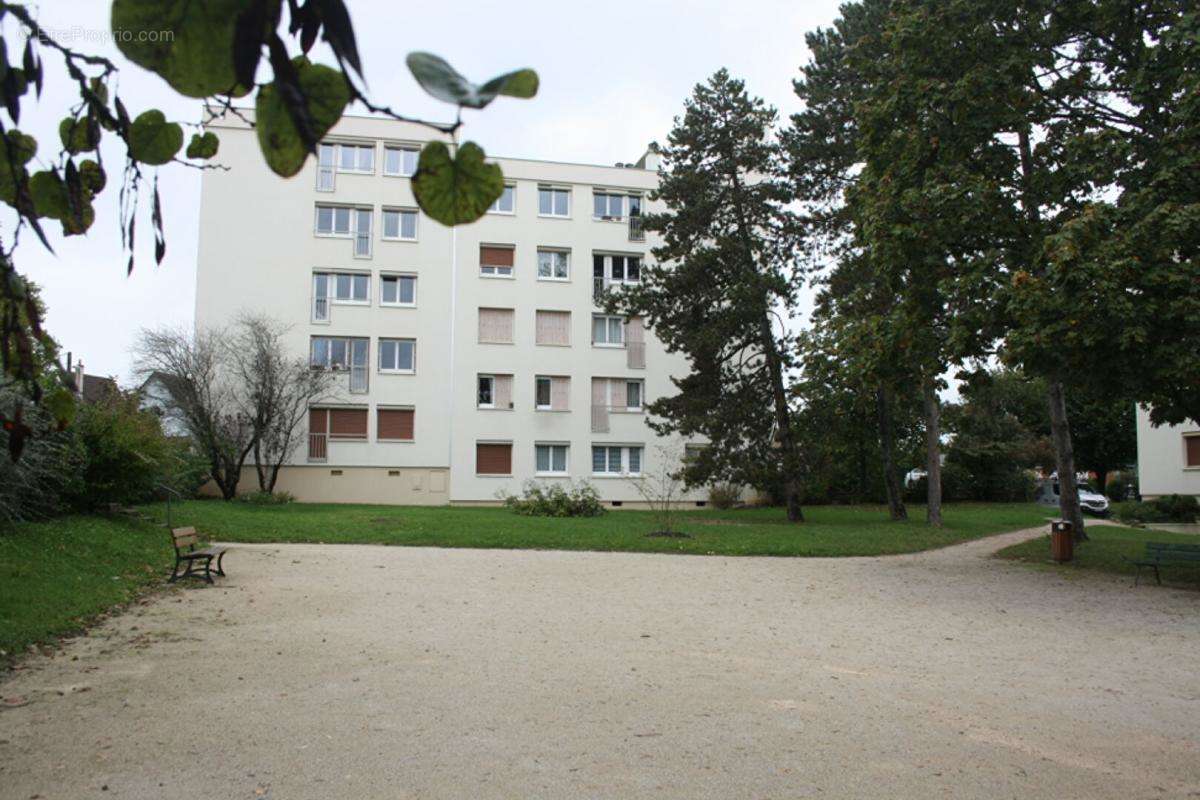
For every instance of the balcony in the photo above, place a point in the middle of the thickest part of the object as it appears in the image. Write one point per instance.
(637, 233)
(317, 447)
(356, 378)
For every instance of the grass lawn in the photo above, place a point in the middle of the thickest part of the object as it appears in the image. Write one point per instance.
(57, 576)
(828, 531)
(1106, 550)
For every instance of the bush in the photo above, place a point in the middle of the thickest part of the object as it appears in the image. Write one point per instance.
(126, 455)
(536, 500)
(724, 495)
(42, 481)
(1169, 508)
(1122, 486)
(266, 498)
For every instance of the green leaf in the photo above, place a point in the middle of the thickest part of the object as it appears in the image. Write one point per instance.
(78, 135)
(49, 195)
(153, 140)
(325, 95)
(203, 145)
(456, 190)
(23, 146)
(442, 81)
(92, 176)
(522, 83)
(197, 57)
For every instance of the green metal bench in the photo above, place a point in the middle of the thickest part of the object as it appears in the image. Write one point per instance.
(1160, 553)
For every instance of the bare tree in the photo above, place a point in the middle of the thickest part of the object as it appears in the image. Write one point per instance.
(202, 397)
(276, 391)
(660, 487)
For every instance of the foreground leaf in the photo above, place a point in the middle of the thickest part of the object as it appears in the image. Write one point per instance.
(153, 140)
(197, 59)
(444, 82)
(456, 190)
(325, 95)
(203, 145)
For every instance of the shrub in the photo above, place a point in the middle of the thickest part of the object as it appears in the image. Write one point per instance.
(126, 455)
(41, 482)
(536, 500)
(1169, 508)
(1123, 486)
(724, 495)
(266, 498)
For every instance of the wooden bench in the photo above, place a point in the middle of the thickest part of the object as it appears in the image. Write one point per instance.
(1160, 553)
(185, 541)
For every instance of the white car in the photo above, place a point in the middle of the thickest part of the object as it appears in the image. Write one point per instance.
(1093, 503)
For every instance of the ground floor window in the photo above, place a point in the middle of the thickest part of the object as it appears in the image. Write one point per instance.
(493, 458)
(616, 460)
(550, 459)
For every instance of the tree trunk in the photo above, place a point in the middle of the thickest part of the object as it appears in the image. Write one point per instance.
(783, 423)
(1064, 456)
(891, 481)
(264, 482)
(933, 454)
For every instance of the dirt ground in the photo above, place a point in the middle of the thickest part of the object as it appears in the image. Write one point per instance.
(374, 672)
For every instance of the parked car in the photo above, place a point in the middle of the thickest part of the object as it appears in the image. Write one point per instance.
(1089, 501)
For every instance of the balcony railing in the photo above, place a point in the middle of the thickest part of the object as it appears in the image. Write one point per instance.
(317, 450)
(599, 287)
(637, 233)
(358, 379)
(320, 309)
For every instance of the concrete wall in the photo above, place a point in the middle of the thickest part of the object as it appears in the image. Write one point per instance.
(321, 483)
(1161, 464)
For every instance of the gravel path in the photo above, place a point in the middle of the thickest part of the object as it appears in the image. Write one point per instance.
(330, 671)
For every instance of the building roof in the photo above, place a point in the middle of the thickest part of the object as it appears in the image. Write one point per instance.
(95, 388)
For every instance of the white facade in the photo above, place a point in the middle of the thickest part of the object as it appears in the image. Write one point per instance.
(1168, 457)
(263, 240)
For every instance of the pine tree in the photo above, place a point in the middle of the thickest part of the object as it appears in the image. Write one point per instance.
(723, 289)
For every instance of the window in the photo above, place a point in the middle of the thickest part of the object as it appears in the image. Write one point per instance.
(493, 458)
(486, 397)
(398, 290)
(400, 161)
(326, 159)
(400, 223)
(550, 393)
(1191, 450)
(616, 269)
(333, 220)
(397, 355)
(616, 460)
(496, 261)
(338, 423)
(633, 395)
(550, 459)
(615, 205)
(607, 331)
(342, 354)
(692, 452)
(362, 232)
(553, 265)
(350, 288)
(356, 158)
(320, 310)
(554, 202)
(496, 325)
(552, 328)
(394, 424)
(494, 391)
(505, 203)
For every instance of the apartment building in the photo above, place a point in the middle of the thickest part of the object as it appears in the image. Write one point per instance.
(1168, 457)
(469, 359)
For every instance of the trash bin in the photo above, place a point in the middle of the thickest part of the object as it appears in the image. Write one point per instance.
(1062, 540)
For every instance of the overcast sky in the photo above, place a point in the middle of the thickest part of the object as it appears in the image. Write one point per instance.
(613, 76)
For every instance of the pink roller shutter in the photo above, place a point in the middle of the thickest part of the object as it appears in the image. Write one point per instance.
(560, 389)
(599, 405)
(635, 343)
(496, 325)
(553, 327)
(503, 391)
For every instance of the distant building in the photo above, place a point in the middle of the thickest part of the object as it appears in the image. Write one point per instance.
(155, 397)
(1168, 457)
(91, 388)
